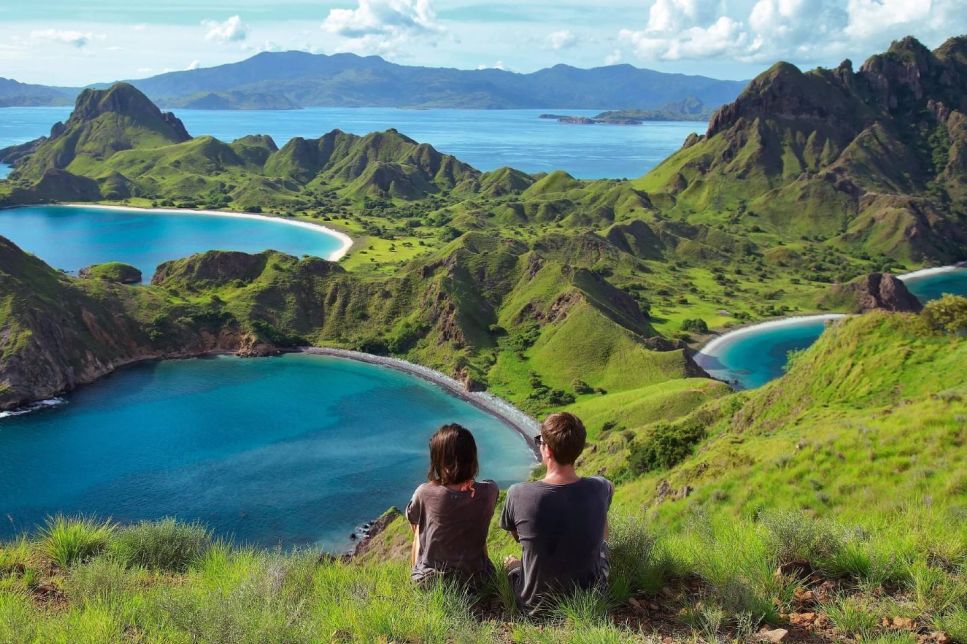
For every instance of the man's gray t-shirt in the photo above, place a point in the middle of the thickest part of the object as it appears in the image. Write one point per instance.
(561, 530)
(453, 529)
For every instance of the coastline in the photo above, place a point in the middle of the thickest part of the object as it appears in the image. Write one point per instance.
(497, 407)
(345, 240)
(709, 347)
(926, 272)
(490, 404)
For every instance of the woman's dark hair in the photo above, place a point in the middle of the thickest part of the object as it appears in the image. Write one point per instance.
(453, 455)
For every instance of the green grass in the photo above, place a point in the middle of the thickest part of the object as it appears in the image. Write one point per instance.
(69, 540)
(163, 545)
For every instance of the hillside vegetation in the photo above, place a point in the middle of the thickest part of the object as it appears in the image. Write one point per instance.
(828, 504)
(824, 503)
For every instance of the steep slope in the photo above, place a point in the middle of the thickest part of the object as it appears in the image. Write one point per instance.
(103, 123)
(871, 160)
(57, 332)
(867, 419)
(381, 164)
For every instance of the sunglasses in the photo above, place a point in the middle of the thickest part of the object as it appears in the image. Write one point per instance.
(538, 440)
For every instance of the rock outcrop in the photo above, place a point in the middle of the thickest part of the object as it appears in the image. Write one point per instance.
(876, 291)
(117, 272)
(872, 160)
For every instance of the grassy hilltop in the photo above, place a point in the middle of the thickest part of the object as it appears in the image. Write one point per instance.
(823, 503)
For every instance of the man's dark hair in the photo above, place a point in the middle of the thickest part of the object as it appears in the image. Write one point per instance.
(453, 455)
(565, 435)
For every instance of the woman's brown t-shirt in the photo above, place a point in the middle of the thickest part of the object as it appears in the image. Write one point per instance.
(453, 529)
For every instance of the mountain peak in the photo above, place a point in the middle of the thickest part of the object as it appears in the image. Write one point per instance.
(124, 99)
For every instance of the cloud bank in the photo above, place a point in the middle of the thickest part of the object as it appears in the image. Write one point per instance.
(768, 30)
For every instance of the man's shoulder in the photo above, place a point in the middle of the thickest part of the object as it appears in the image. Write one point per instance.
(524, 487)
(600, 482)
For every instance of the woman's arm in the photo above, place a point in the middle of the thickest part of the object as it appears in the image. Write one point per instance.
(416, 543)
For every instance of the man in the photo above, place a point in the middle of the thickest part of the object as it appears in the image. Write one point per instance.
(560, 521)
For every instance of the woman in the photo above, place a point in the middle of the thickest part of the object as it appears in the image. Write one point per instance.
(450, 513)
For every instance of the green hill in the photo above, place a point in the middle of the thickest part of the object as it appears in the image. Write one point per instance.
(867, 159)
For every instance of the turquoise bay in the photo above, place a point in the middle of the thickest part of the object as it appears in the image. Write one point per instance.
(755, 356)
(486, 139)
(70, 238)
(295, 450)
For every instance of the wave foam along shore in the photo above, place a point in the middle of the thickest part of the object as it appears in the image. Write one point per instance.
(345, 240)
(514, 418)
(712, 345)
(925, 272)
(26, 409)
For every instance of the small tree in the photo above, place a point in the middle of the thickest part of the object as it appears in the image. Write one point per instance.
(697, 325)
(947, 314)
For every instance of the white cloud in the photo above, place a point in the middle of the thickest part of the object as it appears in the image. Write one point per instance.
(231, 30)
(801, 30)
(562, 39)
(613, 58)
(195, 64)
(498, 65)
(66, 36)
(381, 26)
(267, 45)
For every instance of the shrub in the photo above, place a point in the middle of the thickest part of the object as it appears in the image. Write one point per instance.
(101, 580)
(631, 557)
(581, 387)
(696, 325)
(794, 536)
(947, 314)
(162, 545)
(665, 446)
(66, 540)
(954, 624)
(851, 616)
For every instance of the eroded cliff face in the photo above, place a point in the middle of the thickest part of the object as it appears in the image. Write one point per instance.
(872, 158)
(873, 292)
(57, 332)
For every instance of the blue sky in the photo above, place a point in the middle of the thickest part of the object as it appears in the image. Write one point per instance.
(75, 42)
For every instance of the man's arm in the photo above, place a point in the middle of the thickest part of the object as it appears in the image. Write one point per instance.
(507, 521)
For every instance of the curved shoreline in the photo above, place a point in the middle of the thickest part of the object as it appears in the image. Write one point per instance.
(490, 404)
(926, 272)
(345, 241)
(709, 347)
(497, 407)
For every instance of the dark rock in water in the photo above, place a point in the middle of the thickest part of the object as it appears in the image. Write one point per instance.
(352, 536)
(376, 528)
(876, 291)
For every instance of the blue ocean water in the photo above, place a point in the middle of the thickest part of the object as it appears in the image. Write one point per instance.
(70, 238)
(486, 139)
(932, 286)
(293, 450)
(754, 358)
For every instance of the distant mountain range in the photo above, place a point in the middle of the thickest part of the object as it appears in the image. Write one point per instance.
(290, 80)
(14, 93)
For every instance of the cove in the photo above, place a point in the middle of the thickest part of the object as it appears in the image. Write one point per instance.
(751, 357)
(292, 451)
(71, 237)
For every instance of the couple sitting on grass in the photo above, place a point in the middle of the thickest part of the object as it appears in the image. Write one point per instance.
(560, 521)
